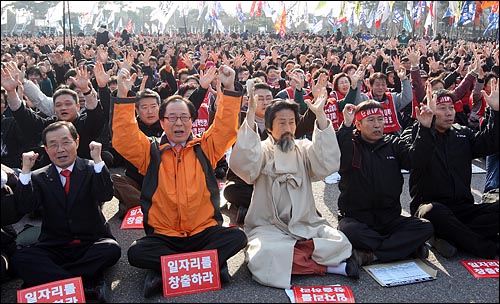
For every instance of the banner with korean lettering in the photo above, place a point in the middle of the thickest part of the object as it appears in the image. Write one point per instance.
(62, 291)
(482, 268)
(323, 294)
(133, 219)
(191, 272)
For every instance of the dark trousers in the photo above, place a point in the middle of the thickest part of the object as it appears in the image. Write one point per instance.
(40, 263)
(397, 240)
(472, 227)
(238, 193)
(146, 252)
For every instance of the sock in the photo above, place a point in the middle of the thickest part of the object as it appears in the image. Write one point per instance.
(340, 269)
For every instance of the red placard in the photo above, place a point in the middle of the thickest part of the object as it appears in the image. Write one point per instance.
(133, 219)
(323, 294)
(62, 291)
(482, 268)
(190, 272)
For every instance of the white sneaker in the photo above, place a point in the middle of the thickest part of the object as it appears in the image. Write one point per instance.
(332, 178)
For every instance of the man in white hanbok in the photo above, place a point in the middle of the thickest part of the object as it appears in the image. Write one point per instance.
(286, 233)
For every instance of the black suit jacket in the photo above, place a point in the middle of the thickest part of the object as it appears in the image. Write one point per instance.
(78, 217)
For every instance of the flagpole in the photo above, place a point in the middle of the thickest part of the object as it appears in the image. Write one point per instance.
(70, 28)
(64, 24)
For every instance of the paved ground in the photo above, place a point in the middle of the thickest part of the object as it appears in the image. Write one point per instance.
(453, 284)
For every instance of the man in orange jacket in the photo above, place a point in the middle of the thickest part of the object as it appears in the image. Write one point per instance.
(180, 195)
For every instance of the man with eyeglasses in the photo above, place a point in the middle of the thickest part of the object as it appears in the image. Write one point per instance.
(75, 238)
(180, 195)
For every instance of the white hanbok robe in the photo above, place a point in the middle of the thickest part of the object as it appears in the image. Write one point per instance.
(282, 210)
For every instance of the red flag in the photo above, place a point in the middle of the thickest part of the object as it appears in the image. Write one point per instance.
(478, 13)
(252, 8)
(344, 19)
(259, 9)
(129, 25)
(280, 24)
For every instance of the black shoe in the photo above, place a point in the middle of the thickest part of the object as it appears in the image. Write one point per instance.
(240, 215)
(443, 247)
(101, 292)
(225, 277)
(364, 257)
(122, 210)
(422, 252)
(152, 284)
(352, 266)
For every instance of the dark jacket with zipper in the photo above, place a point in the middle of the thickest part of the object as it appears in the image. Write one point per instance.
(371, 179)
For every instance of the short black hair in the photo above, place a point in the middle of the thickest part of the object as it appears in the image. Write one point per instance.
(178, 98)
(58, 125)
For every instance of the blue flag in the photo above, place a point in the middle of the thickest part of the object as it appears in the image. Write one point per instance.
(467, 13)
(397, 17)
(493, 24)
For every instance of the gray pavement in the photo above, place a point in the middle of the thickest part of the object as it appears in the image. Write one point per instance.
(453, 284)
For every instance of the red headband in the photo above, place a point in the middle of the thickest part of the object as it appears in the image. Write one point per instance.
(443, 99)
(369, 112)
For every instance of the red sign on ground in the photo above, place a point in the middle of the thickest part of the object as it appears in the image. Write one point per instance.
(482, 268)
(63, 291)
(133, 219)
(323, 294)
(191, 272)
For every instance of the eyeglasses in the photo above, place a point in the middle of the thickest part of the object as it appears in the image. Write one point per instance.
(173, 118)
(65, 144)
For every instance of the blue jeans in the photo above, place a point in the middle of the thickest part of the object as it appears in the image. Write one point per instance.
(491, 172)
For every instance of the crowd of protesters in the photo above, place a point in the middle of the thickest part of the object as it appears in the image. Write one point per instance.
(353, 68)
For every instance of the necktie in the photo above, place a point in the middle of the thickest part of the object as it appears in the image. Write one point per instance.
(66, 173)
(178, 148)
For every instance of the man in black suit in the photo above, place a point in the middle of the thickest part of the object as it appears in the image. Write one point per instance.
(75, 239)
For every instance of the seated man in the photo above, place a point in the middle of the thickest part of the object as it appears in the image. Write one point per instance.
(371, 184)
(180, 195)
(237, 191)
(440, 184)
(286, 233)
(75, 239)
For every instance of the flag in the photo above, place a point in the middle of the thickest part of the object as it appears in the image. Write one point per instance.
(317, 27)
(341, 20)
(280, 24)
(418, 10)
(119, 25)
(447, 14)
(407, 24)
(486, 4)
(350, 21)
(129, 26)
(4, 17)
(330, 18)
(478, 12)
(493, 24)
(369, 21)
(200, 10)
(55, 13)
(362, 17)
(342, 8)
(239, 12)
(252, 8)
(357, 10)
(168, 8)
(430, 6)
(397, 17)
(258, 13)
(467, 13)
(320, 5)
(428, 22)
(381, 13)
(268, 10)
